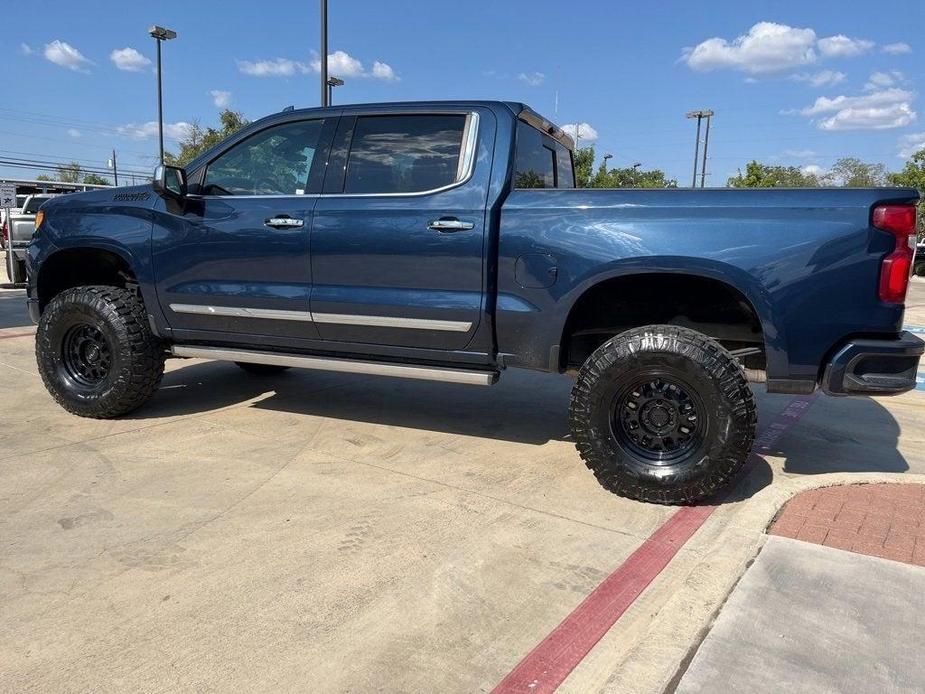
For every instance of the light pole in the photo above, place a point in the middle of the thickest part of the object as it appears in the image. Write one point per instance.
(325, 85)
(700, 115)
(333, 82)
(606, 157)
(160, 34)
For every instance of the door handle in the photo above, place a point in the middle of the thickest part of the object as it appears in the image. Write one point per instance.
(449, 224)
(283, 222)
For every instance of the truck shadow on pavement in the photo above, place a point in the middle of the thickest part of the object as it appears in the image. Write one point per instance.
(836, 435)
(523, 408)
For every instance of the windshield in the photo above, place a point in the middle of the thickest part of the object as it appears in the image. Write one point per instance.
(35, 203)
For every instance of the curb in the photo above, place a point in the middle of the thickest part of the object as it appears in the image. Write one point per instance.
(716, 560)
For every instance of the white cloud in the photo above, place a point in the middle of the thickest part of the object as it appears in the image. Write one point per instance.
(340, 64)
(220, 98)
(767, 47)
(872, 118)
(585, 132)
(841, 46)
(129, 59)
(813, 170)
(882, 80)
(65, 55)
(73, 132)
(275, 67)
(26, 49)
(886, 97)
(533, 79)
(878, 110)
(384, 71)
(897, 48)
(144, 131)
(799, 153)
(910, 144)
(821, 79)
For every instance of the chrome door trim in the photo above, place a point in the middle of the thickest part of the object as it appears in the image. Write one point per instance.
(238, 312)
(335, 318)
(426, 373)
(394, 322)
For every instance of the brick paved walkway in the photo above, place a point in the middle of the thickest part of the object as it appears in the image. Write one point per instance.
(881, 520)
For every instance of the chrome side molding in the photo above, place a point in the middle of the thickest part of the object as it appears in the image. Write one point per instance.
(425, 373)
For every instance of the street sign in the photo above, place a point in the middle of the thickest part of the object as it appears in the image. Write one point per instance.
(7, 195)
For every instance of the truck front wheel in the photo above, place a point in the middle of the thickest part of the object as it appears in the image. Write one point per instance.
(96, 353)
(662, 414)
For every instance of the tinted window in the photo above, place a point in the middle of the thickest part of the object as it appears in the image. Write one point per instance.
(535, 160)
(35, 203)
(565, 170)
(404, 154)
(275, 161)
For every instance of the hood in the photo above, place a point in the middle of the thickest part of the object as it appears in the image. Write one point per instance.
(133, 196)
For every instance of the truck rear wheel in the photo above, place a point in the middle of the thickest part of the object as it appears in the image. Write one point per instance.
(96, 353)
(662, 414)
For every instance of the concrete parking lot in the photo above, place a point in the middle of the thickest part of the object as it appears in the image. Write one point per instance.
(326, 532)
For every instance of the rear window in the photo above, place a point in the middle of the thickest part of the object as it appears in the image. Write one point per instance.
(540, 161)
(405, 154)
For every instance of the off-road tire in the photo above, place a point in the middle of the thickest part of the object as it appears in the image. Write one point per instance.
(261, 369)
(602, 430)
(135, 355)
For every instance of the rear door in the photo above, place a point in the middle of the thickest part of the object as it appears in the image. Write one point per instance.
(398, 238)
(235, 259)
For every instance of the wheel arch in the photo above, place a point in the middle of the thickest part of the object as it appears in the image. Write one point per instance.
(83, 265)
(724, 278)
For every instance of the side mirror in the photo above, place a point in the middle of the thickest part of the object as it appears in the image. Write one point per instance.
(170, 181)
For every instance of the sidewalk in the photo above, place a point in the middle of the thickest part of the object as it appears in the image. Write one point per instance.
(810, 617)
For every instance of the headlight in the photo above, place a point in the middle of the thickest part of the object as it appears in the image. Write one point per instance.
(39, 218)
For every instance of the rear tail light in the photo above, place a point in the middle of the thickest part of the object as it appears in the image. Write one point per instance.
(899, 220)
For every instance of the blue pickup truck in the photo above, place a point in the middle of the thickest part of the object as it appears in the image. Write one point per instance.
(447, 241)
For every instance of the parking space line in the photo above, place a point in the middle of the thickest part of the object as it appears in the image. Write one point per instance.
(560, 652)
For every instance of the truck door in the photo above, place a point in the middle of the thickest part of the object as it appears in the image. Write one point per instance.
(233, 263)
(398, 238)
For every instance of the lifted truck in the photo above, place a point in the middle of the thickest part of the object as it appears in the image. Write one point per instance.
(446, 241)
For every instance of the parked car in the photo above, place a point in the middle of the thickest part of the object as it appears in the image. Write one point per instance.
(445, 241)
(20, 228)
(920, 259)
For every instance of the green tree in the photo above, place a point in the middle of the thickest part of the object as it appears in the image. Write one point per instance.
(44, 177)
(759, 175)
(913, 175)
(583, 161)
(69, 173)
(93, 179)
(631, 177)
(854, 173)
(198, 139)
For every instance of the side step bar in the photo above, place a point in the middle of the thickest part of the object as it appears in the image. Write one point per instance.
(426, 373)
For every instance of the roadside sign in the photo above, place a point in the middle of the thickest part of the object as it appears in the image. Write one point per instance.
(7, 195)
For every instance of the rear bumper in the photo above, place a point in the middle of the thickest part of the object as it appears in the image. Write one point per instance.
(874, 367)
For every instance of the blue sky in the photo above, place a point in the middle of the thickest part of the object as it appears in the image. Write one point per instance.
(799, 83)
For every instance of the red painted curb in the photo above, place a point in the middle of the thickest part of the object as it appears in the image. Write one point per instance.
(554, 658)
(547, 665)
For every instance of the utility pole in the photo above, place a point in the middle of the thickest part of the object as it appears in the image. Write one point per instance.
(699, 115)
(115, 169)
(160, 34)
(325, 100)
(706, 142)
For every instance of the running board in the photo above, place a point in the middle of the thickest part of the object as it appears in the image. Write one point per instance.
(426, 373)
